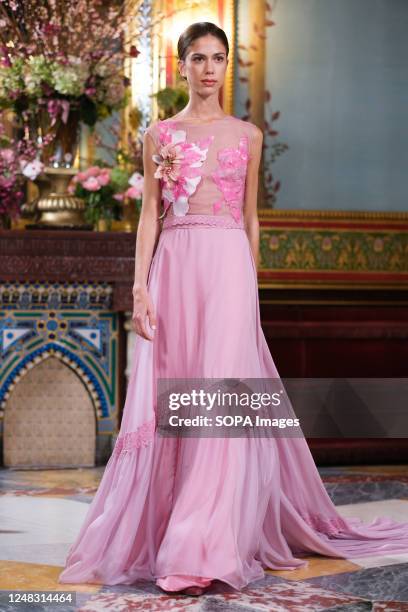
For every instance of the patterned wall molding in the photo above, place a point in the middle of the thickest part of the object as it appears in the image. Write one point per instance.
(53, 295)
(310, 248)
(333, 249)
(46, 256)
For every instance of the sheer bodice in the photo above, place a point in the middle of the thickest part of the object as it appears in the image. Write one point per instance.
(202, 167)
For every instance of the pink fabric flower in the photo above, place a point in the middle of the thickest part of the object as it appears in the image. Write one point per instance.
(230, 177)
(179, 165)
(169, 162)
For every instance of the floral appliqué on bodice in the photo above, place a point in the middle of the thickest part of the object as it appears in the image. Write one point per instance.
(230, 176)
(179, 167)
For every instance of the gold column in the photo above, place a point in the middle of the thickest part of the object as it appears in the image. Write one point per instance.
(228, 24)
(256, 85)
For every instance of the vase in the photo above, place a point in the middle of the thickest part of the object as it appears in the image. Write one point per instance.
(103, 225)
(55, 206)
(62, 150)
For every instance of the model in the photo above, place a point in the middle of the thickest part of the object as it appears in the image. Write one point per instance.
(184, 511)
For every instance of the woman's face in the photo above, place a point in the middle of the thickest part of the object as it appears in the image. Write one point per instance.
(206, 59)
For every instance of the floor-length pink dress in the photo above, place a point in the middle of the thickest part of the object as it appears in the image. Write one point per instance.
(185, 511)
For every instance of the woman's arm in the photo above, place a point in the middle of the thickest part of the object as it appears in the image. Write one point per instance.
(148, 232)
(251, 220)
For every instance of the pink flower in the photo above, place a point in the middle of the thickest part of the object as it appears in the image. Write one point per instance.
(178, 166)
(92, 179)
(32, 169)
(57, 106)
(230, 177)
(169, 162)
(136, 179)
(136, 186)
(91, 184)
(7, 155)
(92, 171)
(103, 178)
(133, 192)
(6, 182)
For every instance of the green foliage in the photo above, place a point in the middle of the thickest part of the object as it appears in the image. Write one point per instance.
(171, 100)
(120, 178)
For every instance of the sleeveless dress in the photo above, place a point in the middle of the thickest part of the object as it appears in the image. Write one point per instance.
(185, 511)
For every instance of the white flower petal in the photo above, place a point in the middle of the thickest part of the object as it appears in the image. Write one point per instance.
(177, 136)
(191, 183)
(168, 194)
(180, 206)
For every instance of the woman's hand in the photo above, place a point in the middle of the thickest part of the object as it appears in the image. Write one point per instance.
(142, 306)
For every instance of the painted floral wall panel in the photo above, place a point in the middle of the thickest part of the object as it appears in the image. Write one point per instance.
(337, 74)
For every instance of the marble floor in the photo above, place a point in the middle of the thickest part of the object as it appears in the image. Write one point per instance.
(41, 512)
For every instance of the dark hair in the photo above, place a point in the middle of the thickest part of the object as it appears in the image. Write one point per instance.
(196, 30)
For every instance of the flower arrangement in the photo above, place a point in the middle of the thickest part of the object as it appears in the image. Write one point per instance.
(64, 54)
(19, 159)
(27, 85)
(104, 188)
(11, 192)
(135, 189)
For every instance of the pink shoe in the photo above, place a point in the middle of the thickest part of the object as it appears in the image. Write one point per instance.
(194, 591)
(195, 585)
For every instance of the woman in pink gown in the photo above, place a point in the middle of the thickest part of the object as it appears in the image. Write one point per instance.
(185, 511)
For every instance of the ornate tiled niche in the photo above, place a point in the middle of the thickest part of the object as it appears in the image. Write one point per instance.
(58, 374)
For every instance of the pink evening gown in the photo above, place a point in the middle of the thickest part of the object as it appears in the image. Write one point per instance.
(186, 511)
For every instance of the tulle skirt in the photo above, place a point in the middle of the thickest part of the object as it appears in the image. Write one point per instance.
(183, 511)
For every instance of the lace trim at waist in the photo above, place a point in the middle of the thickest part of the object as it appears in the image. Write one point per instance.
(203, 220)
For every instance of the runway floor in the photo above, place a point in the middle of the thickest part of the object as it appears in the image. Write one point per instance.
(41, 512)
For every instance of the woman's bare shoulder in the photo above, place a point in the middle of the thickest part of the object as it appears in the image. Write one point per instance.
(254, 131)
(152, 127)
